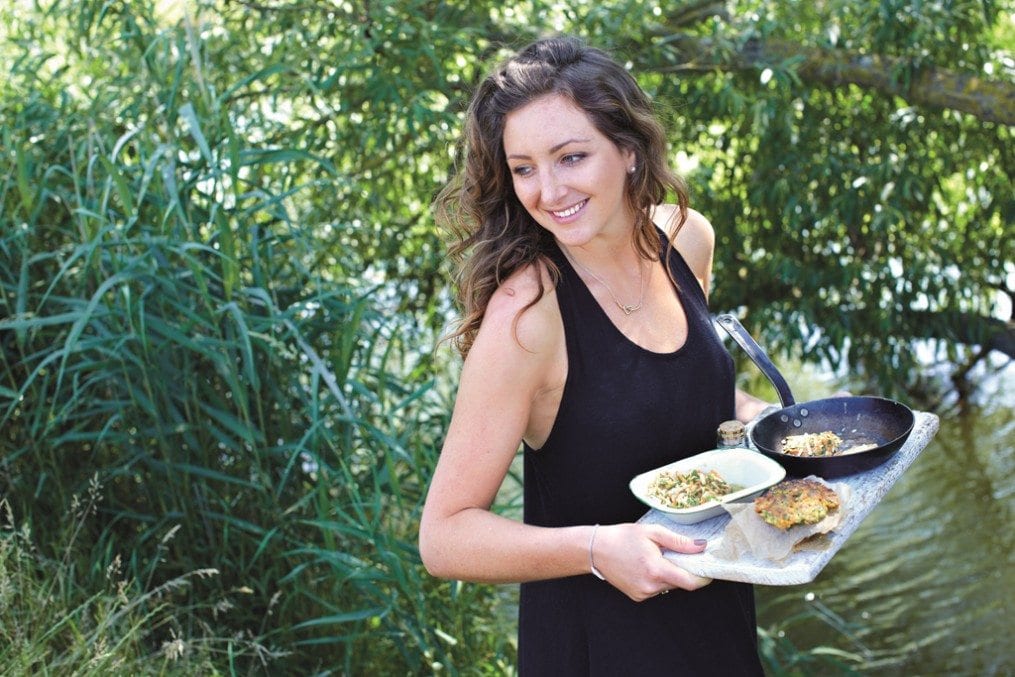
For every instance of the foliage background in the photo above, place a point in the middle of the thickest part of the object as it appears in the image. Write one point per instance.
(220, 285)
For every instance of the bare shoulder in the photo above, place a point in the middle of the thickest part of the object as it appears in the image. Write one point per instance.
(695, 227)
(524, 309)
(695, 240)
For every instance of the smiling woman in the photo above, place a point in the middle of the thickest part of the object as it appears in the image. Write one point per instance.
(587, 339)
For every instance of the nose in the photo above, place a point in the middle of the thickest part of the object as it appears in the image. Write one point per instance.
(551, 189)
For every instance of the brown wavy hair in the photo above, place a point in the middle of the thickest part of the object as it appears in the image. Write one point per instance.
(492, 235)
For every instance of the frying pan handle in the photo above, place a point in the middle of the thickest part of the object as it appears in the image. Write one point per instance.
(736, 330)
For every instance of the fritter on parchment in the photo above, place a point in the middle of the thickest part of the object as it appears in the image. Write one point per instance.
(792, 502)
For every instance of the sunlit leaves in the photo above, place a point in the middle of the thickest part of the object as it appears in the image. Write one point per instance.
(842, 214)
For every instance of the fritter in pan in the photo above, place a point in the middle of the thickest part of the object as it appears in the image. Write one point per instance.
(792, 502)
(812, 444)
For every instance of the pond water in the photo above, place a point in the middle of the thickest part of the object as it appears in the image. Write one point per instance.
(926, 585)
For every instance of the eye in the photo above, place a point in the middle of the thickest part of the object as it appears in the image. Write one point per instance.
(521, 170)
(572, 158)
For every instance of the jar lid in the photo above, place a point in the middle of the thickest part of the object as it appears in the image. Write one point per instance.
(731, 431)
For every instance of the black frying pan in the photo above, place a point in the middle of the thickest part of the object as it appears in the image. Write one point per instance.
(857, 420)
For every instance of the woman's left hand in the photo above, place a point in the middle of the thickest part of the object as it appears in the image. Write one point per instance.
(630, 557)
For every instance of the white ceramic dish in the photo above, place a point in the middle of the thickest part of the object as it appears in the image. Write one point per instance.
(740, 467)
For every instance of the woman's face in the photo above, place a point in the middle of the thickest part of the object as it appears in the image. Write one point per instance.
(566, 174)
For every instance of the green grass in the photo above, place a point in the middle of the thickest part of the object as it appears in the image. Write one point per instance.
(52, 625)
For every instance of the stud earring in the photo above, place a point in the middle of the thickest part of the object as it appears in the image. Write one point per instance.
(631, 169)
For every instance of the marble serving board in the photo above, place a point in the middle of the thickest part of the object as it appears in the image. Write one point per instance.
(803, 565)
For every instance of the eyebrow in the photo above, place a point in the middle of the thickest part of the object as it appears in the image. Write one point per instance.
(554, 149)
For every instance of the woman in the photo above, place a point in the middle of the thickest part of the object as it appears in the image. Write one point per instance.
(587, 339)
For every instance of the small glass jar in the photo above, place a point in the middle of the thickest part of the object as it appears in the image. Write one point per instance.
(731, 435)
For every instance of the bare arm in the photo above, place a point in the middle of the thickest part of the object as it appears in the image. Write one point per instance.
(748, 406)
(460, 537)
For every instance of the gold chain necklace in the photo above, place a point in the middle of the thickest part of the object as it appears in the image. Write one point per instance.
(628, 309)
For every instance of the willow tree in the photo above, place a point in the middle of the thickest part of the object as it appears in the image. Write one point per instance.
(856, 160)
(855, 157)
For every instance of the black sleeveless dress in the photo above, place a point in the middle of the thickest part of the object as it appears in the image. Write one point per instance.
(625, 410)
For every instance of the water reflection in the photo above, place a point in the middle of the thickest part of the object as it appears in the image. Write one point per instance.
(925, 582)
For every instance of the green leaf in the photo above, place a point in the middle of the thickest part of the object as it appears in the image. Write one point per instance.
(188, 113)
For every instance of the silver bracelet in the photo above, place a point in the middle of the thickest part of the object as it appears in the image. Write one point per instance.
(592, 563)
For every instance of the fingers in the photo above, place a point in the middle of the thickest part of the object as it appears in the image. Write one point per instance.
(664, 575)
(685, 580)
(677, 576)
(676, 542)
(674, 577)
(669, 577)
(631, 558)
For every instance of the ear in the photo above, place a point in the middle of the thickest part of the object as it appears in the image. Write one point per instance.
(630, 157)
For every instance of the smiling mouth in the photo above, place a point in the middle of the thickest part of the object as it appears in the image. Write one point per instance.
(570, 211)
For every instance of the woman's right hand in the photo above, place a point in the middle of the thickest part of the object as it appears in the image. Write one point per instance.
(630, 557)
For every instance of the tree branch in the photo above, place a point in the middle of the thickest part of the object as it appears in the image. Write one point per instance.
(988, 332)
(938, 88)
(696, 12)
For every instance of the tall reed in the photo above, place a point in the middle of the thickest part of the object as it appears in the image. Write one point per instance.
(179, 318)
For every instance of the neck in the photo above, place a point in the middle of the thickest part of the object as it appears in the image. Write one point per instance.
(625, 290)
(611, 259)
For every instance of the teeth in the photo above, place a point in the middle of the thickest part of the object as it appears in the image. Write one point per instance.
(570, 212)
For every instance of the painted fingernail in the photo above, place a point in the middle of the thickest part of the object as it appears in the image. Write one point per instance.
(700, 541)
